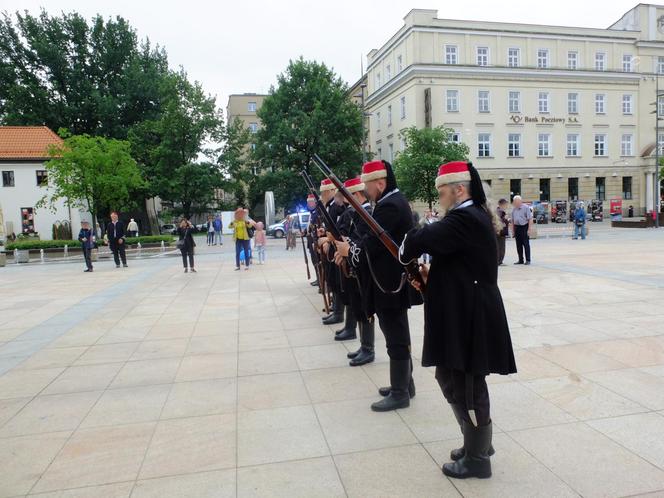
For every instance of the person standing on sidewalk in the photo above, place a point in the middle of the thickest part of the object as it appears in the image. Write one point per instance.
(115, 231)
(217, 231)
(210, 231)
(87, 239)
(260, 241)
(522, 220)
(501, 212)
(186, 243)
(132, 228)
(240, 227)
(580, 222)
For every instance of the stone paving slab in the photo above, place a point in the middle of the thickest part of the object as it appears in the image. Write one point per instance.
(148, 382)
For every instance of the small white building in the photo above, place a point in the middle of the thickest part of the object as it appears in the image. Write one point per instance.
(24, 182)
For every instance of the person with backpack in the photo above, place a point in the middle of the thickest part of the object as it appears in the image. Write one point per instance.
(580, 222)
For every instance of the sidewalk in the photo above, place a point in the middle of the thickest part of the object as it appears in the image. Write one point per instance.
(148, 382)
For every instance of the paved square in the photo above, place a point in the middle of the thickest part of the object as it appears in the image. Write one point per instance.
(148, 382)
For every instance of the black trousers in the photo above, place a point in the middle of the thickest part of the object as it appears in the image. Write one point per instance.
(522, 241)
(453, 383)
(394, 324)
(87, 254)
(500, 239)
(119, 253)
(187, 253)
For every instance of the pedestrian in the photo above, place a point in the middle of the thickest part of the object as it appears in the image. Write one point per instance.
(217, 231)
(241, 228)
(466, 334)
(87, 238)
(580, 222)
(503, 233)
(390, 299)
(132, 228)
(260, 241)
(630, 212)
(522, 221)
(186, 244)
(98, 231)
(115, 231)
(287, 231)
(210, 231)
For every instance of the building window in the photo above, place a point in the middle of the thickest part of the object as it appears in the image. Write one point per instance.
(8, 179)
(402, 143)
(627, 103)
(627, 63)
(627, 187)
(390, 149)
(543, 144)
(253, 127)
(660, 143)
(452, 97)
(600, 101)
(660, 65)
(482, 56)
(515, 188)
(403, 107)
(600, 61)
(542, 58)
(251, 107)
(399, 64)
(513, 57)
(27, 220)
(514, 101)
(514, 145)
(573, 144)
(600, 144)
(626, 145)
(379, 152)
(451, 54)
(572, 60)
(389, 115)
(253, 147)
(483, 101)
(572, 103)
(660, 106)
(543, 102)
(484, 144)
(456, 137)
(378, 121)
(388, 73)
(377, 81)
(42, 177)
(573, 188)
(600, 188)
(545, 189)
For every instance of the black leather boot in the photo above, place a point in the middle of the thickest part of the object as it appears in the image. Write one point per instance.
(398, 397)
(476, 461)
(366, 352)
(349, 331)
(337, 315)
(353, 354)
(459, 413)
(385, 391)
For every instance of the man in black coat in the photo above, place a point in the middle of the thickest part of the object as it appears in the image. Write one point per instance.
(391, 298)
(115, 231)
(466, 336)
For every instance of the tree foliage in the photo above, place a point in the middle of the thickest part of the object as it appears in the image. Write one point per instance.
(235, 160)
(416, 167)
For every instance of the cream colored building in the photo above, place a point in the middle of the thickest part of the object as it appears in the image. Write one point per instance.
(550, 112)
(245, 106)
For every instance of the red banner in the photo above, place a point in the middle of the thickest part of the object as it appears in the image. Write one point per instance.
(616, 206)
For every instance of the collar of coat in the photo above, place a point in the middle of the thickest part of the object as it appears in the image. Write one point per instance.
(385, 196)
(464, 204)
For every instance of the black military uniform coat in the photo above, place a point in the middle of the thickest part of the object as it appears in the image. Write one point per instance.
(465, 324)
(333, 273)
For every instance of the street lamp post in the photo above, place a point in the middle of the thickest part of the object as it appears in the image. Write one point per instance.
(658, 117)
(364, 117)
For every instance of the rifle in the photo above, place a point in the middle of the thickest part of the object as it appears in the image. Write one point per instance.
(306, 258)
(330, 225)
(412, 268)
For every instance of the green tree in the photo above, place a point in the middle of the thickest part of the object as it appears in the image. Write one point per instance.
(168, 147)
(199, 182)
(235, 160)
(416, 167)
(93, 173)
(309, 111)
(92, 78)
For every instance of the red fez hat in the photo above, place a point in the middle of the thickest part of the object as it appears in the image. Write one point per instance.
(354, 185)
(311, 198)
(373, 170)
(327, 184)
(456, 171)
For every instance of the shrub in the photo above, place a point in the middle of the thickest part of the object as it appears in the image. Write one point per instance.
(51, 244)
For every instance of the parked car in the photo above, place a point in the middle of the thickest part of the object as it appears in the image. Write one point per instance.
(277, 229)
(168, 228)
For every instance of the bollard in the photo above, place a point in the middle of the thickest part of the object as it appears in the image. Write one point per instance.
(163, 247)
(66, 251)
(41, 255)
(16, 256)
(139, 249)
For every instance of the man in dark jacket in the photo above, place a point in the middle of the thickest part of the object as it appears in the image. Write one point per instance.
(466, 336)
(391, 298)
(501, 211)
(87, 239)
(115, 231)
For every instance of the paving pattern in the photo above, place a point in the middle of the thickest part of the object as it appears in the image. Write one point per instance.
(148, 382)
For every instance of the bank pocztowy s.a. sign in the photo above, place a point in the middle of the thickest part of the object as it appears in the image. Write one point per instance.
(517, 119)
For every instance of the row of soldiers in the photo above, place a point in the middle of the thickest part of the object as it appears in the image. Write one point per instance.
(466, 334)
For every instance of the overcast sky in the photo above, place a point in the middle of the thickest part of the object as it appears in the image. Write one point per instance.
(240, 46)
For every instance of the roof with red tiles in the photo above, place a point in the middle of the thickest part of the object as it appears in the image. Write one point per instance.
(26, 142)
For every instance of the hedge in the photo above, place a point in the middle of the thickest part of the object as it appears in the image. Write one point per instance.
(54, 244)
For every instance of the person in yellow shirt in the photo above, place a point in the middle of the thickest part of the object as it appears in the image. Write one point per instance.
(241, 226)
